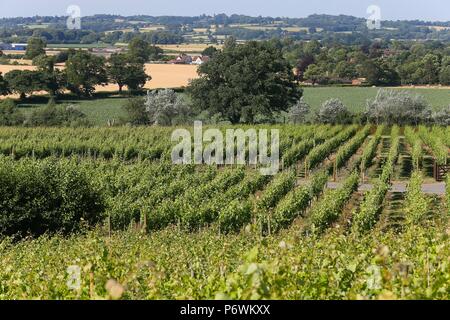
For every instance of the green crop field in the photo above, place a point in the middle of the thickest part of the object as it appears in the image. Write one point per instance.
(98, 111)
(355, 98)
(110, 204)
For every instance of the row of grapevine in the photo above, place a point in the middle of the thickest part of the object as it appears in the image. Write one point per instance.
(234, 208)
(371, 148)
(276, 190)
(107, 143)
(365, 218)
(438, 147)
(310, 139)
(417, 204)
(294, 204)
(443, 133)
(319, 153)
(413, 139)
(347, 150)
(217, 208)
(184, 209)
(133, 202)
(329, 208)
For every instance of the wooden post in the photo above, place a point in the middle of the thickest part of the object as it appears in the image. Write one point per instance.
(306, 169)
(334, 170)
(109, 226)
(435, 169)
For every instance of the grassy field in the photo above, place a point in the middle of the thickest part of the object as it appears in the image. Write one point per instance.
(98, 111)
(355, 98)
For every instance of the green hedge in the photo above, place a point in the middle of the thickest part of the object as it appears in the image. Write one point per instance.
(46, 197)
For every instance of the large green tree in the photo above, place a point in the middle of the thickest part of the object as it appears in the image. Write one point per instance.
(143, 51)
(126, 71)
(35, 47)
(51, 79)
(84, 71)
(23, 82)
(243, 81)
(4, 88)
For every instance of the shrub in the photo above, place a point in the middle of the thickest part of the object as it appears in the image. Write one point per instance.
(46, 197)
(299, 112)
(397, 107)
(135, 110)
(9, 114)
(333, 111)
(52, 115)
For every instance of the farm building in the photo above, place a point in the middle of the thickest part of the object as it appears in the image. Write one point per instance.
(13, 46)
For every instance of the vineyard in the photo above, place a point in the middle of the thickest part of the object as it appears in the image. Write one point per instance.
(356, 212)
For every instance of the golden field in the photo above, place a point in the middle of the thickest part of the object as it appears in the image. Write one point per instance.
(187, 47)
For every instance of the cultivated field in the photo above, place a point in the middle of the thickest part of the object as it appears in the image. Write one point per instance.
(187, 48)
(333, 224)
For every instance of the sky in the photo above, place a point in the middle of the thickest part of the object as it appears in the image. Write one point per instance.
(429, 10)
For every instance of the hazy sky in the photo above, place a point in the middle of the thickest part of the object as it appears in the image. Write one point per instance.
(390, 9)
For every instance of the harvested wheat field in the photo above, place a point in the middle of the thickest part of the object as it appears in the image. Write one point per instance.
(163, 76)
(197, 48)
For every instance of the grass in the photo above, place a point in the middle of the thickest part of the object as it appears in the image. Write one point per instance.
(355, 98)
(98, 110)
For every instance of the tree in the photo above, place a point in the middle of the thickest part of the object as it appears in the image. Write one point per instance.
(299, 112)
(125, 71)
(210, 51)
(243, 81)
(314, 73)
(302, 65)
(444, 75)
(51, 79)
(35, 47)
(143, 51)
(23, 82)
(430, 66)
(84, 71)
(4, 88)
(379, 73)
(166, 108)
(333, 111)
(345, 70)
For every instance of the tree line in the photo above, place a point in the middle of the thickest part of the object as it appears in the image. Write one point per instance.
(380, 63)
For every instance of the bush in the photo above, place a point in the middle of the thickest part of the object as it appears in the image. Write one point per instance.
(442, 117)
(46, 197)
(136, 113)
(166, 108)
(52, 115)
(333, 111)
(9, 114)
(299, 112)
(398, 107)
